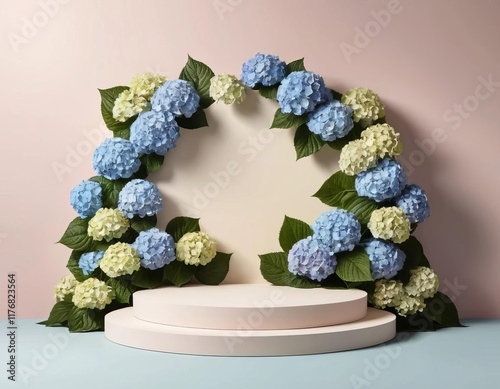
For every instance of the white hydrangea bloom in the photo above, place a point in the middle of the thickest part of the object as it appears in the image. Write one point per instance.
(384, 139)
(65, 287)
(195, 248)
(387, 293)
(127, 104)
(92, 294)
(107, 224)
(365, 104)
(120, 259)
(145, 84)
(410, 305)
(389, 223)
(423, 282)
(356, 157)
(227, 88)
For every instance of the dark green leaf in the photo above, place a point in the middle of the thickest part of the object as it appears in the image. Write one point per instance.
(110, 190)
(295, 66)
(354, 266)
(108, 97)
(269, 92)
(199, 74)
(336, 95)
(148, 279)
(441, 309)
(181, 225)
(414, 257)
(215, 271)
(85, 320)
(59, 314)
(274, 268)
(123, 290)
(292, 231)
(124, 134)
(337, 189)
(199, 119)
(143, 223)
(306, 143)
(287, 120)
(74, 268)
(152, 162)
(362, 207)
(178, 273)
(75, 237)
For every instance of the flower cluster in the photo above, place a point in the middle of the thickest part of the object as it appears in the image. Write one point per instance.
(86, 198)
(423, 282)
(139, 197)
(387, 293)
(152, 133)
(331, 121)
(119, 259)
(145, 84)
(88, 262)
(366, 105)
(383, 139)
(263, 69)
(176, 98)
(116, 158)
(195, 248)
(389, 223)
(386, 259)
(337, 230)
(382, 182)
(356, 156)
(300, 92)
(107, 224)
(309, 258)
(227, 88)
(65, 287)
(92, 294)
(413, 201)
(155, 248)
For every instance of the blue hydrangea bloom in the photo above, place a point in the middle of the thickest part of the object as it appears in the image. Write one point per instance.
(386, 259)
(88, 262)
(152, 133)
(139, 197)
(308, 258)
(331, 121)
(413, 201)
(116, 158)
(337, 230)
(265, 69)
(176, 98)
(301, 92)
(155, 248)
(382, 182)
(86, 198)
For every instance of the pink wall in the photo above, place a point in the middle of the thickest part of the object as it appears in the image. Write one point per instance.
(426, 59)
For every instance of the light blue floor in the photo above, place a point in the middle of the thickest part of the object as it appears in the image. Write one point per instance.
(451, 358)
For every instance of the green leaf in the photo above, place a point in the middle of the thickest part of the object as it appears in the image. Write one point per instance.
(287, 120)
(178, 273)
(362, 207)
(84, 320)
(274, 268)
(74, 268)
(354, 134)
(295, 66)
(337, 189)
(354, 266)
(75, 237)
(152, 162)
(414, 257)
(110, 190)
(148, 279)
(292, 231)
(199, 74)
(143, 223)
(306, 143)
(441, 309)
(123, 290)
(59, 314)
(336, 95)
(269, 92)
(181, 225)
(215, 271)
(108, 97)
(199, 119)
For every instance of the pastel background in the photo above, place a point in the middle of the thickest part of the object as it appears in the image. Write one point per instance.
(435, 65)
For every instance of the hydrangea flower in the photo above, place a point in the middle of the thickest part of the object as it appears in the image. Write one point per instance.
(65, 287)
(107, 224)
(384, 139)
(366, 105)
(357, 156)
(227, 88)
(86, 198)
(301, 92)
(145, 84)
(195, 248)
(92, 294)
(337, 230)
(152, 133)
(265, 69)
(386, 259)
(88, 262)
(410, 305)
(389, 223)
(155, 248)
(382, 182)
(176, 98)
(331, 121)
(413, 201)
(309, 258)
(119, 259)
(423, 282)
(116, 158)
(387, 293)
(127, 104)
(139, 197)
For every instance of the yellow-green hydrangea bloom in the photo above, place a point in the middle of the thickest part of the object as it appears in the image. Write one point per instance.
(387, 293)
(195, 248)
(423, 282)
(65, 287)
(384, 139)
(107, 224)
(145, 84)
(389, 223)
(120, 259)
(356, 157)
(410, 305)
(366, 105)
(92, 294)
(128, 104)
(227, 88)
